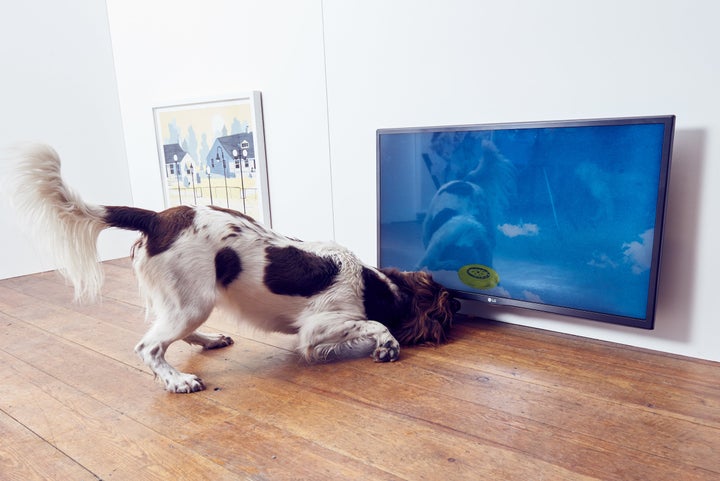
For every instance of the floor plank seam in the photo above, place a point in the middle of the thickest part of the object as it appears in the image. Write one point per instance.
(53, 445)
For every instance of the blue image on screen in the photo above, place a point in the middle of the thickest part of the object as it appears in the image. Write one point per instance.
(564, 216)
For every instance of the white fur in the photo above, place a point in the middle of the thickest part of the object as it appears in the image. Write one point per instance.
(58, 218)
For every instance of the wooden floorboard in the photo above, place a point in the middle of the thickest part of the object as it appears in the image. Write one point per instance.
(25, 455)
(499, 402)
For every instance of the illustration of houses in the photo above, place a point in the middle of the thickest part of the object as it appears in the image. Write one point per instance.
(176, 163)
(179, 166)
(233, 155)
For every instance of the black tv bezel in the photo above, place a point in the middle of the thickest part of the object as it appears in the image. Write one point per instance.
(479, 300)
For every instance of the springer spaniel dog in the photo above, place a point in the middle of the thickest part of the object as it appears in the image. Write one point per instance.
(190, 259)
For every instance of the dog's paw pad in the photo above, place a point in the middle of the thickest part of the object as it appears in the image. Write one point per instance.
(388, 352)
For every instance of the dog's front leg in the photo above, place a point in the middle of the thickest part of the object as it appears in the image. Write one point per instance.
(153, 355)
(155, 342)
(326, 338)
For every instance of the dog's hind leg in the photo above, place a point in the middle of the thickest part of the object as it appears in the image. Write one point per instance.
(331, 339)
(209, 341)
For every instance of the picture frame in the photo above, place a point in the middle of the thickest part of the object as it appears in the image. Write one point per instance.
(212, 152)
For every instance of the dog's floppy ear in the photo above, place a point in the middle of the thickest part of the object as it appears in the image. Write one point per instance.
(432, 311)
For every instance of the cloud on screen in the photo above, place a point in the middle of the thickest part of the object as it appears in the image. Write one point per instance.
(639, 254)
(515, 230)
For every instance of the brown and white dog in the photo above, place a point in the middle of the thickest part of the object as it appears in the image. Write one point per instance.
(189, 260)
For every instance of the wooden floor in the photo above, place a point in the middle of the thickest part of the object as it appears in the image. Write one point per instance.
(499, 402)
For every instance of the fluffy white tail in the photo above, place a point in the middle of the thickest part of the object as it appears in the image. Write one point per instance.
(59, 218)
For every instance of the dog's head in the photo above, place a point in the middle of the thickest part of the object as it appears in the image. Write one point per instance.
(431, 309)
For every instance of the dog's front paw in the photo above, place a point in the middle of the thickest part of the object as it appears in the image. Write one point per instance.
(388, 352)
(184, 383)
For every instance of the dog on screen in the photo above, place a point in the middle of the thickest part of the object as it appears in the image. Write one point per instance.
(475, 183)
(190, 259)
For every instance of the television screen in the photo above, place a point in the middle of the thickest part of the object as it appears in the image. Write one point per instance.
(564, 217)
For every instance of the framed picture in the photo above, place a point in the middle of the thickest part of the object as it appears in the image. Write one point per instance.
(213, 153)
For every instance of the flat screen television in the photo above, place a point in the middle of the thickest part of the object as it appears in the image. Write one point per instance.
(564, 217)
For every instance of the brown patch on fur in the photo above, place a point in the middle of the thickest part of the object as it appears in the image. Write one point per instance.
(228, 266)
(234, 213)
(161, 229)
(236, 229)
(171, 223)
(290, 271)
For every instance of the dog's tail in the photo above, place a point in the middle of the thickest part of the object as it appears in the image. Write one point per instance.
(59, 218)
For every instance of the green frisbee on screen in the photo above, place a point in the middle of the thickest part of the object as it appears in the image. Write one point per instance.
(478, 276)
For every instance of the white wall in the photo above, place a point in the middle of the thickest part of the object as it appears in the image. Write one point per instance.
(58, 86)
(331, 72)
